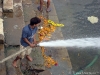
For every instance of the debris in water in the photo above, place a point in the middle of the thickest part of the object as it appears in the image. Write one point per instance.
(92, 19)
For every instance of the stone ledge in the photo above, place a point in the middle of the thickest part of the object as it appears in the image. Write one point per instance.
(1, 32)
(8, 5)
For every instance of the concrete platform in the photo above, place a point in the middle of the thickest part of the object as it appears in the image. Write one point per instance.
(8, 5)
(13, 24)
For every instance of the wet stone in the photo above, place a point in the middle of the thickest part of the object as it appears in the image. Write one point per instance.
(17, 10)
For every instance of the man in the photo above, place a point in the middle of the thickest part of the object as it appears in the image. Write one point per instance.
(28, 39)
(40, 8)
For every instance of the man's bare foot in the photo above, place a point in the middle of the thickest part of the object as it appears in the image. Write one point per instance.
(28, 58)
(14, 63)
(48, 9)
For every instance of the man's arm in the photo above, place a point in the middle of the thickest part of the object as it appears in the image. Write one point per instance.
(24, 36)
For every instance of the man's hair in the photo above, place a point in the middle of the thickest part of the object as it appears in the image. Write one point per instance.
(34, 20)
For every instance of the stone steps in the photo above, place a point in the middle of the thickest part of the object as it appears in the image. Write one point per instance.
(13, 24)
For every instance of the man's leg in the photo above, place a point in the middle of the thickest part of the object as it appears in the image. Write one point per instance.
(40, 8)
(15, 61)
(19, 56)
(48, 6)
(48, 3)
(29, 49)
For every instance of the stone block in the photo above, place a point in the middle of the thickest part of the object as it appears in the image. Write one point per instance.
(8, 5)
(1, 31)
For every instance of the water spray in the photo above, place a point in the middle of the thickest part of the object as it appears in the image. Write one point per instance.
(79, 43)
(84, 42)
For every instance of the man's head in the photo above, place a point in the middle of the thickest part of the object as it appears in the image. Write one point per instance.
(34, 21)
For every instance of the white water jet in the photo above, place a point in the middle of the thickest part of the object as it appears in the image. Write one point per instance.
(83, 42)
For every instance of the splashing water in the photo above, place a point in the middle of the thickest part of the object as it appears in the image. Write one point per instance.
(83, 42)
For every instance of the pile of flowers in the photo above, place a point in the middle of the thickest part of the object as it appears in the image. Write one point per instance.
(45, 31)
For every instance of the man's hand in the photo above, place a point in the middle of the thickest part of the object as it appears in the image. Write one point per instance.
(35, 42)
(32, 45)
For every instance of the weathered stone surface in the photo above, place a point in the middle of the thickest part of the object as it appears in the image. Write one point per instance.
(27, 1)
(38, 61)
(8, 5)
(1, 31)
(10, 69)
(46, 72)
(27, 8)
(0, 12)
(2, 65)
(53, 12)
(13, 24)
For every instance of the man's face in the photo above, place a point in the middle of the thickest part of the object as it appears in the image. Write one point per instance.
(36, 25)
